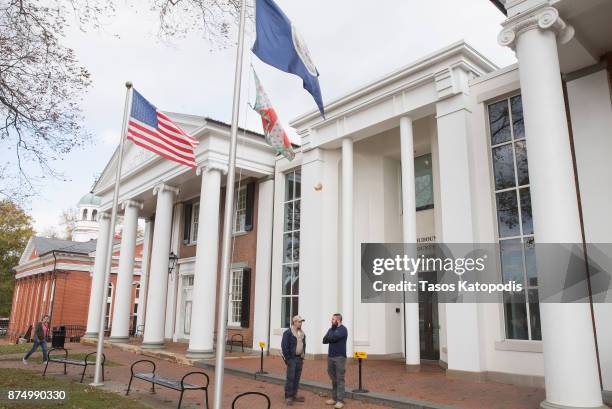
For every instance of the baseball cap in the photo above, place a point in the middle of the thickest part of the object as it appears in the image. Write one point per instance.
(298, 318)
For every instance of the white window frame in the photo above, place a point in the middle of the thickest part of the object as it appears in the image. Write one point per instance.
(235, 298)
(108, 314)
(187, 281)
(195, 221)
(295, 263)
(136, 298)
(239, 225)
(517, 188)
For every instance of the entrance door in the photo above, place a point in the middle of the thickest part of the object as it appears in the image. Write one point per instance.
(187, 302)
(428, 320)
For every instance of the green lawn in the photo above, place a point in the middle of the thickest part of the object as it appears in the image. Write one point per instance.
(78, 395)
(37, 356)
(14, 348)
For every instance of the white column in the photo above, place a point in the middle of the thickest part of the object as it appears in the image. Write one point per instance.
(173, 279)
(570, 362)
(120, 329)
(144, 272)
(348, 242)
(201, 338)
(158, 275)
(97, 279)
(413, 346)
(263, 261)
(462, 322)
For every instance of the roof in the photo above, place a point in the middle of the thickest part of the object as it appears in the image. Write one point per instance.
(198, 122)
(90, 199)
(45, 245)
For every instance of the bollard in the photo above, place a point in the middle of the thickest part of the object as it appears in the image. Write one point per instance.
(261, 371)
(360, 357)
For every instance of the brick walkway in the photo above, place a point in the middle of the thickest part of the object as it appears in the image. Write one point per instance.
(384, 377)
(431, 384)
(117, 379)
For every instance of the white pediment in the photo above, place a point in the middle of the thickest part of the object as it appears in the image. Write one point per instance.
(133, 156)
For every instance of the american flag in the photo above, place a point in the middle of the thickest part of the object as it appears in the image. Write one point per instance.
(152, 130)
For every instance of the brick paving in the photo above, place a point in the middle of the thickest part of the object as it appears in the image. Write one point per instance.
(381, 376)
(117, 379)
(430, 384)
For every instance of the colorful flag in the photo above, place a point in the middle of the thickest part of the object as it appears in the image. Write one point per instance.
(152, 130)
(273, 130)
(279, 44)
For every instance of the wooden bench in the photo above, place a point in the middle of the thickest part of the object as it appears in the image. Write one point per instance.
(76, 362)
(175, 384)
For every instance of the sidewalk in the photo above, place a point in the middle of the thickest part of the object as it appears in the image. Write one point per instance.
(392, 386)
(387, 380)
(117, 378)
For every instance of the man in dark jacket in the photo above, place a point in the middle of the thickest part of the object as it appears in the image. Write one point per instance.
(294, 350)
(336, 359)
(40, 338)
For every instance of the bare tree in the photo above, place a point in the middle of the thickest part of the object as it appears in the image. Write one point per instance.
(50, 232)
(42, 83)
(212, 18)
(68, 221)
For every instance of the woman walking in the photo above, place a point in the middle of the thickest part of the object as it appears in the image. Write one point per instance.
(40, 338)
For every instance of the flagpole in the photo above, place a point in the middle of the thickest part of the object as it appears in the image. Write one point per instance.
(227, 218)
(111, 235)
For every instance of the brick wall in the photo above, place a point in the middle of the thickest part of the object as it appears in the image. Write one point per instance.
(70, 301)
(245, 251)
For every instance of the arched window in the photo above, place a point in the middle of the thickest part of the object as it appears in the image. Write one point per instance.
(94, 215)
(84, 214)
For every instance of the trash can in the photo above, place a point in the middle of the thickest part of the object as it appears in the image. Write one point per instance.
(59, 337)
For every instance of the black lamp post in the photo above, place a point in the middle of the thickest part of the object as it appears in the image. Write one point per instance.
(172, 262)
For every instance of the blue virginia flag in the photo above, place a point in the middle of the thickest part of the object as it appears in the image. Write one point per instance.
(279, 44)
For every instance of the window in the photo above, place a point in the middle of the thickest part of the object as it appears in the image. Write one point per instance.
(94, 215)
(109, 306)
(84, 214)
(423, 182)
(134, 317)
(235, 298)
(291, 248)
(188, 281)
(136, 298)
(187, 302)
(514, 217)
(195, 217)
(241, 210)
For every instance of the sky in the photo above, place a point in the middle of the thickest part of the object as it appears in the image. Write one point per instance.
(352, 42)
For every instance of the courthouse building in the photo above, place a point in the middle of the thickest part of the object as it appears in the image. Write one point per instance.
(53, 278)
(449, 148)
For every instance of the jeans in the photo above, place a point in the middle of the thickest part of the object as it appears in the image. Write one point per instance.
(43, 345)
(294, 373)
(336, 368)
